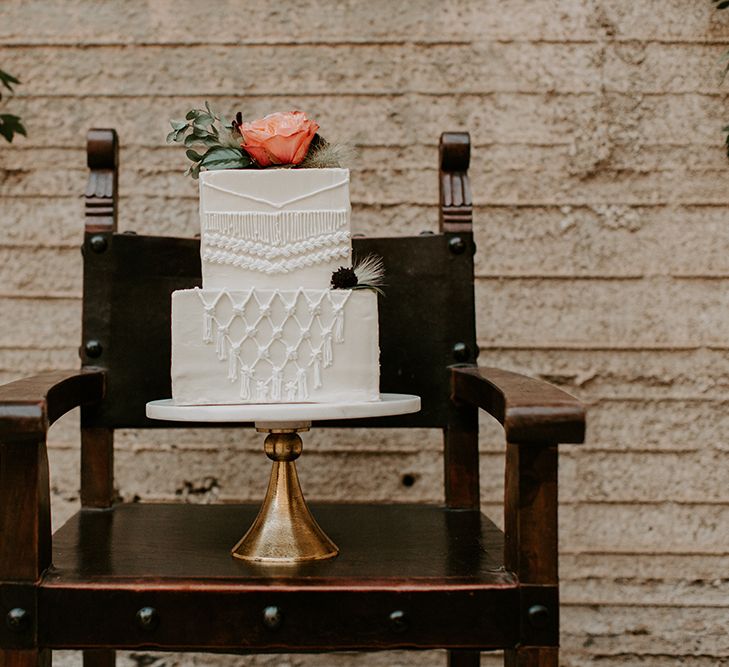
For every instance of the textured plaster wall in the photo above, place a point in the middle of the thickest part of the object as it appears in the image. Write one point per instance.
(603, 264)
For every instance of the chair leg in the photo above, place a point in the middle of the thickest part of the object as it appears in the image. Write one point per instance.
(99, 657)
(25, 658)
(462, 658)
(532, 657)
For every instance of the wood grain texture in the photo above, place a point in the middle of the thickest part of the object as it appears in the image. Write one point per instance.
(530, 410)
(532, 657)
(25, 510)
(464, 658)
(460, 436)
(29, 406)
(461, 461)
(97, 467)
(176, 559)
(99, 658)
(530, 513)
(102, 546)
(102, 189)
(531, 546)
(25, 658)
(101, 214)
(456, 206)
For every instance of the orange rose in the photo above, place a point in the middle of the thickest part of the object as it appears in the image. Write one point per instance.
(279, 138)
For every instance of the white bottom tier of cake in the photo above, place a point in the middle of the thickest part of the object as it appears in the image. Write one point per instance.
(274, 346)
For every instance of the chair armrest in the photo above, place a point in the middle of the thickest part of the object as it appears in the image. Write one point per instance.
(530, 410)
(30, 405)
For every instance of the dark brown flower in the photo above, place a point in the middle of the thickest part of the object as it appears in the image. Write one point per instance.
(344, 278)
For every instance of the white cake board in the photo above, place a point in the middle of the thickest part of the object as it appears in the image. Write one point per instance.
(388, 405)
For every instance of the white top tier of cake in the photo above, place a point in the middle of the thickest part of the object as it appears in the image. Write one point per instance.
(274, 228)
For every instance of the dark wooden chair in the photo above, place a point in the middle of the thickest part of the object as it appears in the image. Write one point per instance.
(160, 576)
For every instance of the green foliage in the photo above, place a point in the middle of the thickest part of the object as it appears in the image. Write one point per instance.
(10, 125)
(8, 81)
(203, 130)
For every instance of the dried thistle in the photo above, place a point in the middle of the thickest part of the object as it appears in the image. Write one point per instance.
(368, 273)
(326, 155)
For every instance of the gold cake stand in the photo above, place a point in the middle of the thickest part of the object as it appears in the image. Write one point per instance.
(284, 531)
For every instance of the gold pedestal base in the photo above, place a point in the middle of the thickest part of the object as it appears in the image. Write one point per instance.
(284, 530)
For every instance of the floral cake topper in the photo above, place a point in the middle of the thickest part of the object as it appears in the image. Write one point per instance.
(281, 139)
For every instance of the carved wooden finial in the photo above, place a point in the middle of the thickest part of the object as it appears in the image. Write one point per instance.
(455, 151)
(102, 192)
(456, 209)
(102, 149)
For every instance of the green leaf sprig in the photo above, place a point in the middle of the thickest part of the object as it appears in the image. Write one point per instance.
(10, 125)
(203, 130)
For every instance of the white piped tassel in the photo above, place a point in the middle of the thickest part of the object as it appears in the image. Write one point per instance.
(317, 370)
(327, 345)
(233, 361)
(301, 381)
(290, 391)
(220, 347)
(245, 383)
(276, 384)
(208, 325)
(261, 390)
(339, 325)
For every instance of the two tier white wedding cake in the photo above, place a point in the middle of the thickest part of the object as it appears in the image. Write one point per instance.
(268, 324)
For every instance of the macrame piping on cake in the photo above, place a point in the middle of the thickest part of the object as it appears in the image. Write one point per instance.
(208, 309)
(255, 382)
(268, 267)
(279, 228)
(277, 205)
(266, 251)
(275, 242)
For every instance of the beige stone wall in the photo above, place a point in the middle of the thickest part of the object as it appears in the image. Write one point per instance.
(603, 265)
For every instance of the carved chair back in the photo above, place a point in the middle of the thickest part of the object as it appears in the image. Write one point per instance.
(426, 319)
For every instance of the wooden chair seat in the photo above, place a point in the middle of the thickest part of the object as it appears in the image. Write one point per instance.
(404, 557)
